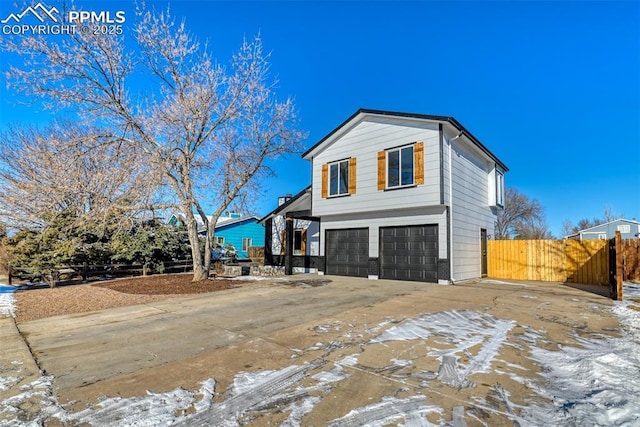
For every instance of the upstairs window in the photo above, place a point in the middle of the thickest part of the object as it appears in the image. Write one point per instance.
(401, 167)
(339, 178)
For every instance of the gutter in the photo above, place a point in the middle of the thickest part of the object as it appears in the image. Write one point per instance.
(450, 248)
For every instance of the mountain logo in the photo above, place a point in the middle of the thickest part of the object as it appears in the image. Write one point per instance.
(39, 11)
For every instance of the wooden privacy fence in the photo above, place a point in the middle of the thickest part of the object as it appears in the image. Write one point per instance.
(572, 261)
(631, 250)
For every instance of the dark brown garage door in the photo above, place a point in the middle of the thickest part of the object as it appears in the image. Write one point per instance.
(409, 253)
(347, 252)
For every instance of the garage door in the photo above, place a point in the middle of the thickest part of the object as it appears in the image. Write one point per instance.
(347, 252)
(409, 253)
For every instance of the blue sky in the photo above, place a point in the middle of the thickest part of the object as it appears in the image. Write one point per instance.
(552, 88)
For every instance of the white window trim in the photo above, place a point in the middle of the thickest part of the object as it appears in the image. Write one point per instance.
(624, 228)
(247, 242)
(499, 188)
(413, 177)
(337, 163)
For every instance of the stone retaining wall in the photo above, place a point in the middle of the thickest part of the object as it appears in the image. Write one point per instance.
(253, 270)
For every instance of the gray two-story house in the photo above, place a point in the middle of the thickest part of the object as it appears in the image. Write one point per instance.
(400, 196)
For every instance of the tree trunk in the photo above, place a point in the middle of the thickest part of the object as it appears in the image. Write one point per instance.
(52, 277)
(208, 247)
(199, 271)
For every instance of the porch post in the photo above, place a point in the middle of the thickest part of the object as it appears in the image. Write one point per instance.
(288, 253)
(268, 242)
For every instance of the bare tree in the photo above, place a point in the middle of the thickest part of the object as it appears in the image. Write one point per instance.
(5, 257)
(608, 215)
(521, 218)
(66, 168)
(208, 129)
(567, 228)
(531, 229)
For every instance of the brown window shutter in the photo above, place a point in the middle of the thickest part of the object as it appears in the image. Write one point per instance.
(325, 178)
(352, 175)
(303, 243)
(382, 172)
(418, 162)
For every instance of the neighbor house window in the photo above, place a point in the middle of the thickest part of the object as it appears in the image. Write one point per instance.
(499, 188)
(339, 178)
(219, 240)
(400, 167)
(246, 244)
(625, 228)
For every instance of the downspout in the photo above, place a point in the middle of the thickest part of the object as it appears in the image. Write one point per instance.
(451, 279)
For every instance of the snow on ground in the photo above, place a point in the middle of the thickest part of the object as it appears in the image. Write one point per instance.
(599, 383)
(258, 278)
(7, 302)
(595, 383)
(464, 329)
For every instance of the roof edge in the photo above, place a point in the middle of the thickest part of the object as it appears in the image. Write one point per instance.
(237, 221)
(600, 225)
(448, 119)
(286, 204)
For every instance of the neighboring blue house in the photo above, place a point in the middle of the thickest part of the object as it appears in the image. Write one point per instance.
(241, 232)
(232, 228)
(628, 230)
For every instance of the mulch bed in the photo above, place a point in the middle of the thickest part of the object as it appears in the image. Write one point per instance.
(170, 284)
(43, 302)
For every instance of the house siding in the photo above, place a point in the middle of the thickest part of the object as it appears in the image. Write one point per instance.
(470, 210)
(234, 233)
(363, 142)
(610, 230)
(454, 194)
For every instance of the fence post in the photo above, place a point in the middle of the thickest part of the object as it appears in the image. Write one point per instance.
(619, 265)
(85, 267)
(9, 273)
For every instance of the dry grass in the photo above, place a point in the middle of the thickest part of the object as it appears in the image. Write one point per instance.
(35, 304)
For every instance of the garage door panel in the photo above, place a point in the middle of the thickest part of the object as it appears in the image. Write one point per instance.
(347, 252)
(409, 253)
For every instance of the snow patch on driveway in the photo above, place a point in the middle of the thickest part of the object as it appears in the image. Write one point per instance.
(596, 382)
(413, 410)
(464, 329)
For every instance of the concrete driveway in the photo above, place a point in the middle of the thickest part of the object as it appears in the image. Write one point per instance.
(315, 353)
